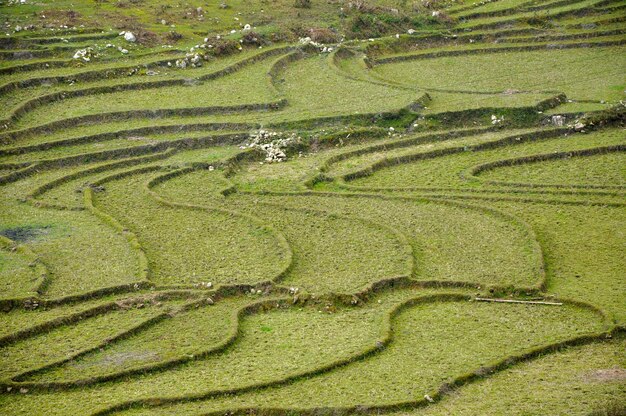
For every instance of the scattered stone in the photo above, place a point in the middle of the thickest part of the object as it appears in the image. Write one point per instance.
(429, 399)
(23, 390)
(273, 144)
(307, 41)
(410, 31)
(579, 126)
(496, 120)
(558, 120)
(85, 54)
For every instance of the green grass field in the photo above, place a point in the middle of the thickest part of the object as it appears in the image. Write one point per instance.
(313, 208)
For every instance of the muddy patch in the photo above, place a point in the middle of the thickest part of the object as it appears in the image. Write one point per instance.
(25, 234)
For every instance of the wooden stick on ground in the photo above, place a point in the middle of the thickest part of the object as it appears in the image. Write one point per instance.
(535, 302)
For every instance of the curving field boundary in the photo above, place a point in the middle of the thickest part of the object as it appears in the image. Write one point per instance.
(474, 172)
(384, 341)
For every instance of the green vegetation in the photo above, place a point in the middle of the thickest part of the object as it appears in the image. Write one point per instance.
(312, 208)
(603, 169)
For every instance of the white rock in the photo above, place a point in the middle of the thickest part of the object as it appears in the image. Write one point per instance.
(130, 37)
(124, 51)
(410, 31)
(247, 28)
(558, 120)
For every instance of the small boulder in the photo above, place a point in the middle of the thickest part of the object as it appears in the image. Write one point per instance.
(558, 120)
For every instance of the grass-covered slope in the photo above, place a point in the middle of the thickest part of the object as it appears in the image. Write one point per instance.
(312, 208)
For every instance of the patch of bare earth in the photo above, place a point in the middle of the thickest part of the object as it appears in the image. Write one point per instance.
(606, 375)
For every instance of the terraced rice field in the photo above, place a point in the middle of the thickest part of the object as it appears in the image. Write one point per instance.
(419, 211)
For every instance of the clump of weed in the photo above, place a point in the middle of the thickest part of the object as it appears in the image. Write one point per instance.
(55, 18)
(251, 38)
(146, 37)
(173, 36)
(302, 4)
(611, 409)
(222, 47)
(322, 35)
(539, 20)
(366, 21)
